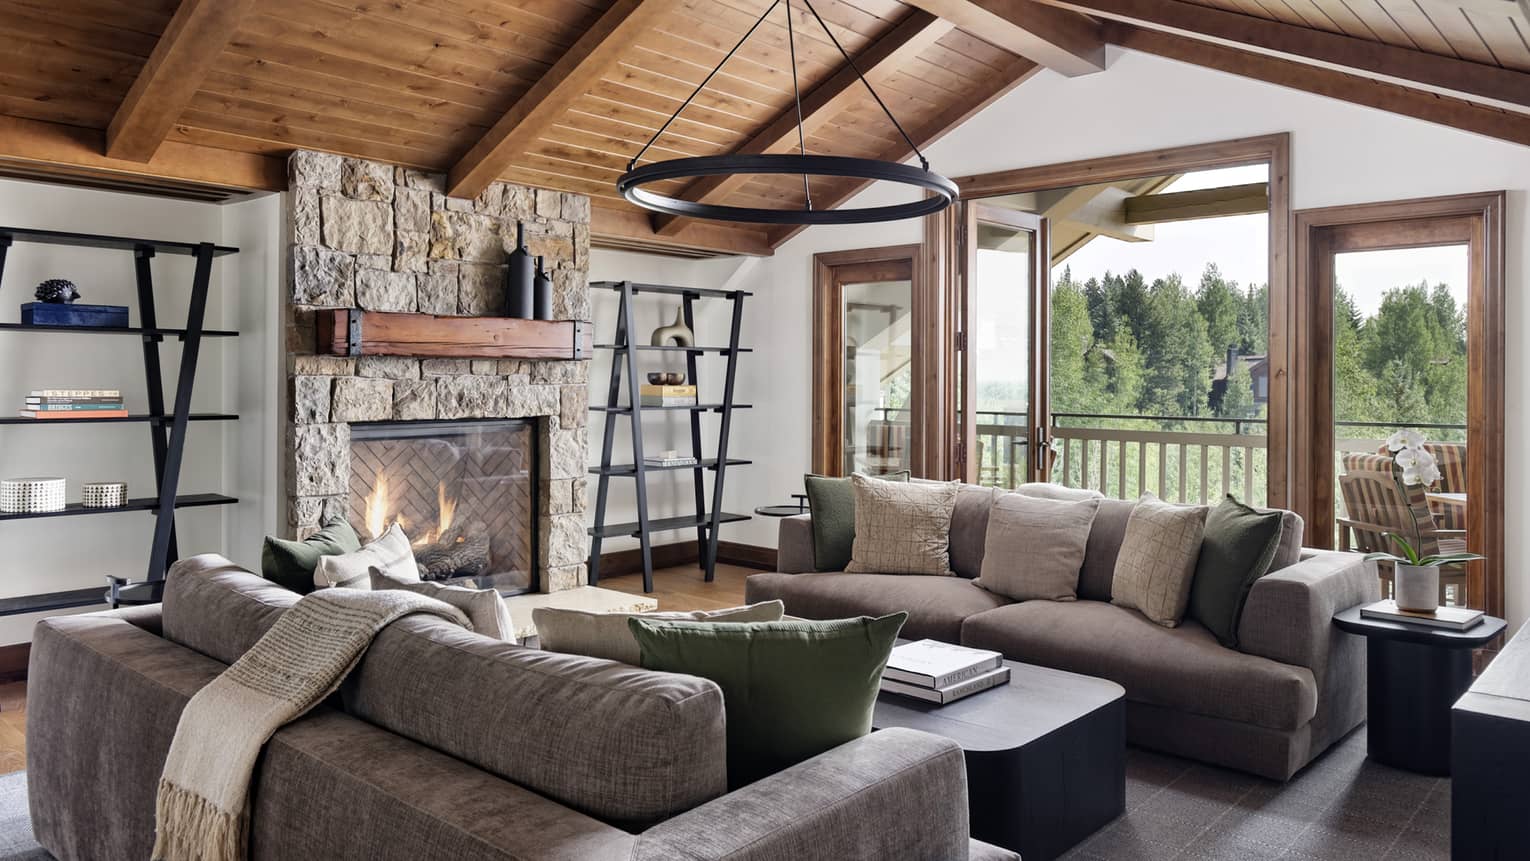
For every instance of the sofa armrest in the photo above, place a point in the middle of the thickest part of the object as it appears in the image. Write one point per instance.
(897, 793)
(1289, 614)
(794, 545)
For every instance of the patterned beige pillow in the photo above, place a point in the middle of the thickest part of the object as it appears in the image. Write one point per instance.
(1157, 561)
(902, 528)
(607, 635)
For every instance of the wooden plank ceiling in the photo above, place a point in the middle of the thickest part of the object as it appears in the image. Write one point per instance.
(562, 93)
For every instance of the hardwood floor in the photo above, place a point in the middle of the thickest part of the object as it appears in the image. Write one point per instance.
(680, 588)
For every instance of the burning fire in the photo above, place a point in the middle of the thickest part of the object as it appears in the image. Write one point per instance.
(380, 501)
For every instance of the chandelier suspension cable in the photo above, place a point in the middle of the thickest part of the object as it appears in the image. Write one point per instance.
(791, 44)
(924, 162)
(707, 80)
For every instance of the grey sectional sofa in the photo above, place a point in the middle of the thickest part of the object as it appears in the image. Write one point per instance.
(1293, 687)
(447, 745)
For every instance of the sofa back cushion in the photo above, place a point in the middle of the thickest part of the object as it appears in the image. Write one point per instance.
(969, 529)
(217, 608)
(1105, 537)
(537, 719)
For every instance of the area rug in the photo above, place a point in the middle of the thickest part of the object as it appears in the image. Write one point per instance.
(16, 843)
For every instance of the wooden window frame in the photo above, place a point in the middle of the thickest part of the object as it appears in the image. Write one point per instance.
(829, 351)
(1477, 220)
(1273, 150)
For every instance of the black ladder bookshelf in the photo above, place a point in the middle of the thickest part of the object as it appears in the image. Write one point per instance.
(624, 363)
(167, 430)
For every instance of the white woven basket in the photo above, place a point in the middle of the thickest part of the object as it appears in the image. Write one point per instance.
(103, 494)
(31, 495)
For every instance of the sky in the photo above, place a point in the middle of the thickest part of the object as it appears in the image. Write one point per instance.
(1239, 246)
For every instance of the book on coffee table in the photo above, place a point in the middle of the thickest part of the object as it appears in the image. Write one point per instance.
(1449, 618)
(949, 693)
(932, 664)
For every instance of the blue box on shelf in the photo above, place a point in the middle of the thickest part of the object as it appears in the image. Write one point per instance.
(59, 314)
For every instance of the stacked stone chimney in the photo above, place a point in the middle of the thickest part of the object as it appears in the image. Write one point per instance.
(371, 236)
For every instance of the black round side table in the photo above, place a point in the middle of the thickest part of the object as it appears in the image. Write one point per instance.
(800, 507)
(1414, 674)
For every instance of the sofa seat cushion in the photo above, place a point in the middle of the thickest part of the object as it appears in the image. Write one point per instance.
(1181, 668)
(936, 605)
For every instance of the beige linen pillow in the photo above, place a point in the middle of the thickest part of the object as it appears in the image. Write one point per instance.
(607, 635)
(1035, 546)
(390, 553)
(485, 610)
(902, 528)
(1157, 561)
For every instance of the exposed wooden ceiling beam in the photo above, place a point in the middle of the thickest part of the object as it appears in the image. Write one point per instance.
(1100, 210)
(917, 31)
(626, 227)
(579, 69)
(76, 152)
(185, 52)
(1015, 73)
(1268, 36)
(1248, 199)
(1395, 98)
(1061, 40)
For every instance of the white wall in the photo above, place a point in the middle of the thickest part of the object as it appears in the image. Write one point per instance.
(670, 493)
(1341, 154)
(77, 552)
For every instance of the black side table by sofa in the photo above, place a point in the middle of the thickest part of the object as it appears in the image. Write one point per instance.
(1414, 675)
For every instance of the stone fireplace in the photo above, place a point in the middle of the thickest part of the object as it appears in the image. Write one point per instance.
(492, 450)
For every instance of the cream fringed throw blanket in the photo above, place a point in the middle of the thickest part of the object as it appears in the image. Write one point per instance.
(202, 813)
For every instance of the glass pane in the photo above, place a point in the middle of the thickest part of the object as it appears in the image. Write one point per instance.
(998, 345)
(878, 339)
(1400, 374)
(1159, 342)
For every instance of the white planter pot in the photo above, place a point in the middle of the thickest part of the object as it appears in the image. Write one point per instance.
(1417, 587)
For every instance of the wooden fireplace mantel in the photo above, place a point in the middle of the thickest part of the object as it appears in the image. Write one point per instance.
(351, 332)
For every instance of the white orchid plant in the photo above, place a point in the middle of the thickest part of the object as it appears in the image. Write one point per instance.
(1412, 464)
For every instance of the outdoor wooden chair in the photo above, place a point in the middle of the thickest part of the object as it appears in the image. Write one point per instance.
(1376, 505)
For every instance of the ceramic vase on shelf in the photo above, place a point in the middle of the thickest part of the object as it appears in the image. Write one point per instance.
(519, 278)
(541, 293)
(1416, 587)
(677, 332)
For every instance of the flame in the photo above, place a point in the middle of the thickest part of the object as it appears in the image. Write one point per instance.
(379, 502)
(377, 506)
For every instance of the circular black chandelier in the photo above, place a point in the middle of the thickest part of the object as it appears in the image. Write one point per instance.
(942, 191)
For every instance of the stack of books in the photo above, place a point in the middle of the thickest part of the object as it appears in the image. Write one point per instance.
(940, 672)
(75, 404)
(1448, 618)
(669, 459)
(668, 396)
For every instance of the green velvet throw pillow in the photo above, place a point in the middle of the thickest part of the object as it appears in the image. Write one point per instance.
(792, 690)
(1236, 549)
(832, 501)
(291, 563)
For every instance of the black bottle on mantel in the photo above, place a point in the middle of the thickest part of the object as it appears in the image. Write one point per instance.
(518, 280)
(541, 294)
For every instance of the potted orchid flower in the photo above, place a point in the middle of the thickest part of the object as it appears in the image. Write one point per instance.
(1416, 579)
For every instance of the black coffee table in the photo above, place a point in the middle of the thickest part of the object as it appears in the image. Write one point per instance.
(1046, 755)
(1414, 675)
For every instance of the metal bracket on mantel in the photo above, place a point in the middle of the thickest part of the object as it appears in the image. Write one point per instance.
(353, 333)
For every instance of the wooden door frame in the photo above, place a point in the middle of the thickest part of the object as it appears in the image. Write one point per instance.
(829, 352)
(1273, 150)
(1037, 383)
(1479, 219)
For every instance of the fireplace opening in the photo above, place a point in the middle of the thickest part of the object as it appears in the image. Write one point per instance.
(465, 492)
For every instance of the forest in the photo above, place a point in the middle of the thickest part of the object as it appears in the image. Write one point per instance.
(1121, 345)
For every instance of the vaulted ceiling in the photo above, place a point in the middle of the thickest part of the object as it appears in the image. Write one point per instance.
(199, 97)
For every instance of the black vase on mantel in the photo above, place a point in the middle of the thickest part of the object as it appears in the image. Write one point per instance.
(518, 280)
(541, 294)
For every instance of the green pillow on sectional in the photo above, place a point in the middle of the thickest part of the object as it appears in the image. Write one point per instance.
(291, 563)
(1237, 547)
(791, 690)
(832, 501)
